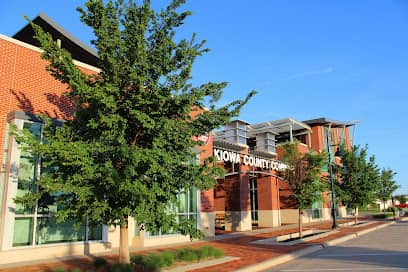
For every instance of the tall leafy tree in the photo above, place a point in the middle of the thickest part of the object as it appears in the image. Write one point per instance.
(303, 177)
(359, 177)
(386, 185)
(402, 199)
(129, 148)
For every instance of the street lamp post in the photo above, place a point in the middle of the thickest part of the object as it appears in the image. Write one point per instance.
(393, 208)
(332, 198)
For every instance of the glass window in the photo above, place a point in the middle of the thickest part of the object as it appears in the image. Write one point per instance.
(186, 208)
(23, 231)
(4, 166)
(49, 231)
(317, 210)
(36, 225)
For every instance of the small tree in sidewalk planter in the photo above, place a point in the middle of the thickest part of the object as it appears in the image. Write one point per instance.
(129, 149)
(386, 186)
(359, 179)
(303, 177)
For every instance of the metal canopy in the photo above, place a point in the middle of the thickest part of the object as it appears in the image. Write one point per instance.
(279, 126)
(334, 123)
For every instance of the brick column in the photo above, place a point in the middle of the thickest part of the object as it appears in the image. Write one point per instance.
(237, 206)
(207, 212)
(268, 202)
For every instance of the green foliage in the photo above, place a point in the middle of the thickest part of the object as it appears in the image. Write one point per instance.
(391, 209)
(360, 178)
(382, 215)
(402, 199)
(167, 257)
(98, 262)
(217, 253)
(153, 262)
(126, 150)
(205, 252)
(386, 185)
(186, 254)
(303, 175)
(156, 261)
(136, 259)
(121, 267)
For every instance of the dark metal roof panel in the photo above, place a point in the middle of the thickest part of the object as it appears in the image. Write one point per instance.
(326, 121)
(78, 49)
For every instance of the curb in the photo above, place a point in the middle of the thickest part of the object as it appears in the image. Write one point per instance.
(340, 240)
(202, 264)
(288, 257)
(279, 260)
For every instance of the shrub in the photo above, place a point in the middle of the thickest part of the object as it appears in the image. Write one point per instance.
(153, 262)
(186, 254)
(204, 252)
(218, 253)
(167, 258)
(137, 259)
(119, 267)
(382, 215)
(99, 262)
(208, 252)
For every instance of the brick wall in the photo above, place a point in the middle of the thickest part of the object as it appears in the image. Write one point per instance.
(26, 86)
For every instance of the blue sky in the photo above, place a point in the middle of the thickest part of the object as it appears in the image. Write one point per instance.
(345, 60)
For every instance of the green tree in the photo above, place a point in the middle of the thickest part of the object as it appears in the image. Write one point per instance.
(386, 185)
(303, 177)
(359, 179)
(129, 148)
(402, 199)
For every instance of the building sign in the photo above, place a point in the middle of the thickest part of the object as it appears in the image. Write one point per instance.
(245, 159)
(203, 138)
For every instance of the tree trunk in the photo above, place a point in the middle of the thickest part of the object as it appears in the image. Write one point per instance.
(300, 224)
(384, 206)
(355, 216)
(124, 245)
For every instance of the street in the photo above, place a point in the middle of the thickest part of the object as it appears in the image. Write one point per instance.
(381, 250)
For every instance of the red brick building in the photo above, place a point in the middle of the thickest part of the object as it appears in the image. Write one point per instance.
(252, 193)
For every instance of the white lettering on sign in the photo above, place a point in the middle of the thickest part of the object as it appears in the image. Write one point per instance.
(235, 157)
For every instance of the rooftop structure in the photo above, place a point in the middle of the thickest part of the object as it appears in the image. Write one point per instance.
(78, 49)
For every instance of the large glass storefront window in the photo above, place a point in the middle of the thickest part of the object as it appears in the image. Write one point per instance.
(186, 209)
(36, 225)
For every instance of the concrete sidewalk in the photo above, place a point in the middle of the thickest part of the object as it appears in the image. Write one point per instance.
(247, 256)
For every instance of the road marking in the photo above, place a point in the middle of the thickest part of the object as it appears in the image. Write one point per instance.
(348, 269)
(362, 254)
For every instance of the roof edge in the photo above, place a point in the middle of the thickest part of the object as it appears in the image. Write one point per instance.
(39, 50)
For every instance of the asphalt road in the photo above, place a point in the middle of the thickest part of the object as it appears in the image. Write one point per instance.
(381, 250)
